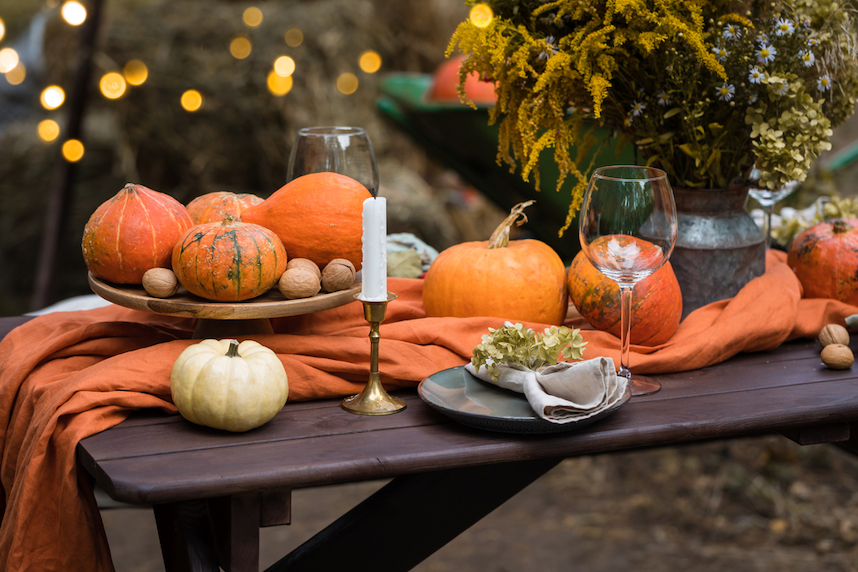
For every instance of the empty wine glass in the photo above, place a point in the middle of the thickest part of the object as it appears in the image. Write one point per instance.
(343, 150)
(627, 229)
(767, 199)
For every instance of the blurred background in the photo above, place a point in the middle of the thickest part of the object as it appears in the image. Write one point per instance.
(193, 96)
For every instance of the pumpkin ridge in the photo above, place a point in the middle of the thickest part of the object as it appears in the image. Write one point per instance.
(119, 228)
(153, 233)
(258, 266)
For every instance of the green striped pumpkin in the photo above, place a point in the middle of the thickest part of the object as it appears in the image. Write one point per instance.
(228, 261)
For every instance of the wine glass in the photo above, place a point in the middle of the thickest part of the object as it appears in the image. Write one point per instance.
(343, 150)
(767, 199)
(627, 229)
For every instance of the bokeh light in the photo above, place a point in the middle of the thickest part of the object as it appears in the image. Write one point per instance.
(370, 61)
(347, 83)
(481, 15)
(240, 47)
(52, 97)
(48, 130)
(192, 100)
(8, 60)
(17, 75)
(284, 66)
(252, 17)
(73, 150)
(294, 37)
(279, 85)
(2, 29)
(135, 72)
(112, 85)
(74, 12)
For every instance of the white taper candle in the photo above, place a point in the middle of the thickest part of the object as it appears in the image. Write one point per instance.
(374, 287)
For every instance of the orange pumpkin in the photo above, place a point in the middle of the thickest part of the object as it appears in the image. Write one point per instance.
(445, 83)
(228, 261)
(515, 280)
(317, 216)
(825, 259)
(213, 207)
(656, 302)
(131, 233)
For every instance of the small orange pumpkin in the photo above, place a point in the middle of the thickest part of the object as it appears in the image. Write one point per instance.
(825, 259)
(515, 280)
(656, 302)
(228, 261)
(316, 216)
(213, 207)
(131, 233)
(445, 84)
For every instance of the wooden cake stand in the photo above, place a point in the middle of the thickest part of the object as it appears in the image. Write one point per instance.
(222, 319)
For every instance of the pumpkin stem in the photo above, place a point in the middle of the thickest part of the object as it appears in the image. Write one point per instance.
(233, 349)
(228, 220)
(839, 226)
(500, 237)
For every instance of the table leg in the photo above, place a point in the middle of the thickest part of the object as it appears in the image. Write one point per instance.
(185, 535)
(412, 517)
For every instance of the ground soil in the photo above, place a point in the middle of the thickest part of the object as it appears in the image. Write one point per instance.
(752, 505)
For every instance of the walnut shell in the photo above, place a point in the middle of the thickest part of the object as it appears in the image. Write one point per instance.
(837, 356)
(339, 274)
(299, 282)
(833, 334)
(160, 282)
(304, 263)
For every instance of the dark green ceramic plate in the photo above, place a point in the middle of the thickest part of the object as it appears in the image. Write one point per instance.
(475, 403)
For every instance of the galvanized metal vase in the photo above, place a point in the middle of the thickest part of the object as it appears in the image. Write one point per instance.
(719, 247)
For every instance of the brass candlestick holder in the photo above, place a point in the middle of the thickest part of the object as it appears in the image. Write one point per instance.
(374, 400)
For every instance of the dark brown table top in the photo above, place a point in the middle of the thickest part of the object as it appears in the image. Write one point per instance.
(158, 458)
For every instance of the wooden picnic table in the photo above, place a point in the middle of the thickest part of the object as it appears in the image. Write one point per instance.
(212, 490)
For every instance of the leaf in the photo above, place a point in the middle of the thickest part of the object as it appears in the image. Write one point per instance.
(672, 112)
(689, 150)
(644, 141)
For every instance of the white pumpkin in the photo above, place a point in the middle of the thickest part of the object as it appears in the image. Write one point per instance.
(227, 385)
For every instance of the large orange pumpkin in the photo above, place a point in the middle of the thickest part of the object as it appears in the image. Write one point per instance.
(228, 261)
(516, 280)
(825, 259)
(213, 207)
(656, 302)
(131, 233)
(317, 216)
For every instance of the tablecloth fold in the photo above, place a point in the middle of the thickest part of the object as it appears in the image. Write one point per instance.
(68, 375)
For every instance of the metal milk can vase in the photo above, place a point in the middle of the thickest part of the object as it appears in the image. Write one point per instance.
(719, 247)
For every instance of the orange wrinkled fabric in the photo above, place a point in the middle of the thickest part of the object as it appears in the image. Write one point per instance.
(66, 376)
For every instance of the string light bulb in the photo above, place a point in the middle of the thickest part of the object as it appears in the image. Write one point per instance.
(347, 83)
(135, 72)
(48, 130)
(252, 17)
(17, 75)
(192, 100)
(112, 85)
(2, 29)
(284, 66)
(279, 85)
(52, 97)
(370, 61)
(240, 47)
(294, 37)
(8, 60)
(73, 150)
(74, 13)
(481, 15)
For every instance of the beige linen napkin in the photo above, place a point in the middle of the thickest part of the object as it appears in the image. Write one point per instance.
(565, 392)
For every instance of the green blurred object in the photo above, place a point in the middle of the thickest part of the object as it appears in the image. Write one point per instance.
(461, 138)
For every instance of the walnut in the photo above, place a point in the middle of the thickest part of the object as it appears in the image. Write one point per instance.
(304, 263)
(837, 356)
(160, 282)
(339, 274)
(299, 282)
(834, 334)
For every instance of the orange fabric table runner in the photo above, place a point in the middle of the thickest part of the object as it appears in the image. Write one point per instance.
(66, 376)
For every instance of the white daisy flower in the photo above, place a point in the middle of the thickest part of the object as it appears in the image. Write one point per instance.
(721, 53)
(726, 92)
(763, 38)
(663, 98)
(627, 122)
(638, 108)
(766, 54)
(784, 27)
(823, 83)
(807, 58)
(782, 88)
(753, 98)
(755, 75)
(812, 42)
(731, 32)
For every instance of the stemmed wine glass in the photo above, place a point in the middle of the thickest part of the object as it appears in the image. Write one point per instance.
(343, 150)
(627, 229)
(767, 199)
